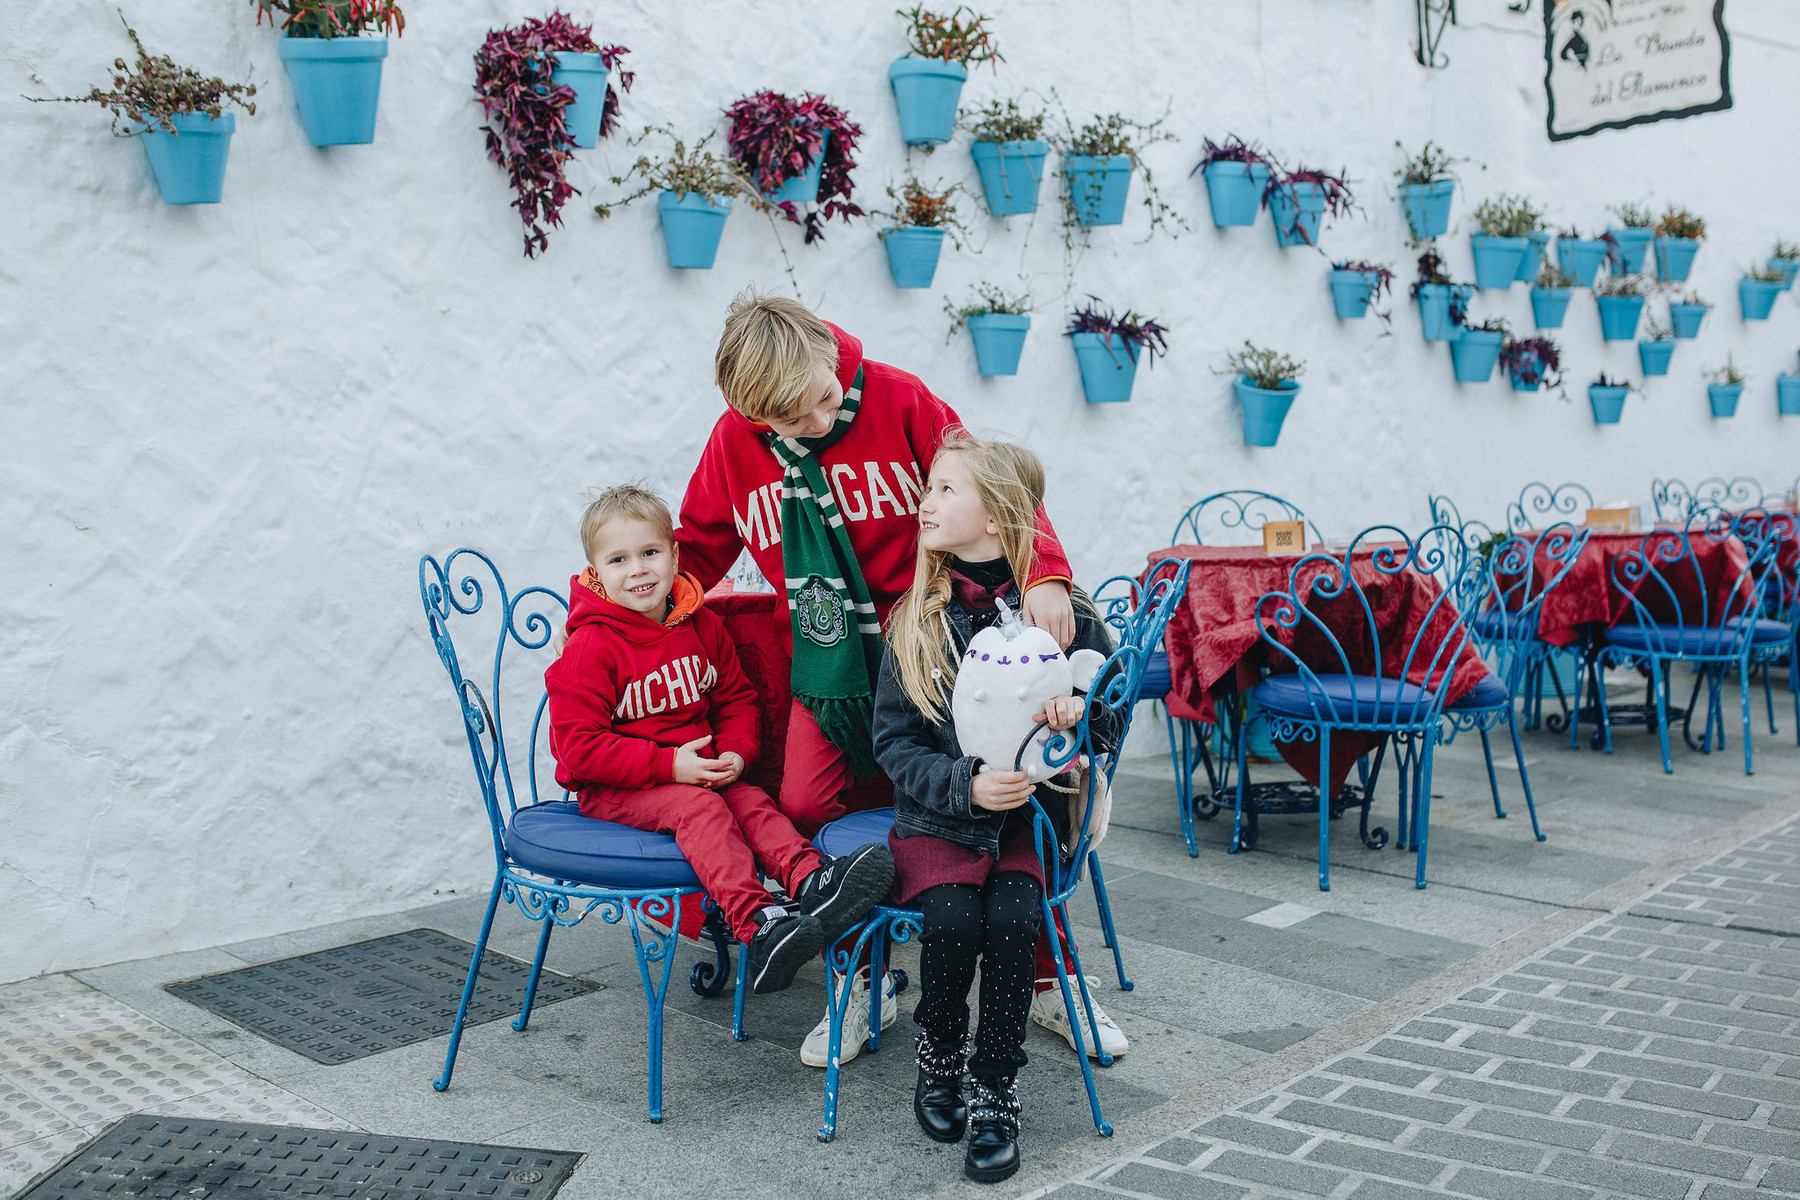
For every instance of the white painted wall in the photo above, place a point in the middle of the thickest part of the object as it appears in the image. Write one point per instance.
(230, 431)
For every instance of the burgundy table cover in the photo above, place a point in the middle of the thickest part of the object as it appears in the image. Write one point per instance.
(1586, 596)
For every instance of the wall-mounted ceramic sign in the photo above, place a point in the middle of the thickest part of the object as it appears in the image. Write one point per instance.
(1614, 63)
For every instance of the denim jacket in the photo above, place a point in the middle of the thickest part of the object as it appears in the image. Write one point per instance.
(932, 776)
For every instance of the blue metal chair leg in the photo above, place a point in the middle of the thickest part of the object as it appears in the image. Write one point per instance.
(1325, 808)
(1424, 824)
(1087, 999)
(462, 1009)
(1487, 752)
(1182, 759)
(737, 999)
(1068, 999)
(662, 952)
(1769, 696)
(1106, 920)
(1524, 776)
(878, 946)
(537, 969)
(1659, 694)
(1243, 783)
(1744, 695)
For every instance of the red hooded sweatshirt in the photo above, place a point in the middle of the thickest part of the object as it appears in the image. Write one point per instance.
(629, 690)
(878, 470)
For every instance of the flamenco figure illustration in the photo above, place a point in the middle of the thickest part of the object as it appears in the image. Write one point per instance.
(1571, 23)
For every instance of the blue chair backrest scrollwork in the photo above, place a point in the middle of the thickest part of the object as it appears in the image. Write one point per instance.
(1671, 599)
(1505, 598)
(1538, 501)
(1239, 509)
(1675, 501)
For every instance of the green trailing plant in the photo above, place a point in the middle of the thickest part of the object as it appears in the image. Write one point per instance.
(960, 36)
(686, 170)
(1786, 250)
(1508, 216)
(1621, 285)
(1656, 329)
(1429, 165)
(1727, 374)
(1678, 222)
(988, 298)
(1264, 368)
(1605, 380)
(332, 18)
(1004, 121)
(1550, 275)
(1693, 297)
(1130, 327)
(1767, 274)
(917, 205)
(1110, 134)
(151, 94)
(1634, 216)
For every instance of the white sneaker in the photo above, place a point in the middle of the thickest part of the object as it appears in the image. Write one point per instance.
(1047, 1010)
(815, 1050)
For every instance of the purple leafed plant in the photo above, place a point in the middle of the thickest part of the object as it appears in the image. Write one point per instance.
(1532, 360)
(527, 132)
(1377, 280)
(775, 138)
(1235, 149)
(1431, 271)
(1129, 327)
(1338, 198)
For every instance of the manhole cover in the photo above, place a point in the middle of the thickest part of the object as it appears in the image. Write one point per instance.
(348, 1002)
(165, 1158)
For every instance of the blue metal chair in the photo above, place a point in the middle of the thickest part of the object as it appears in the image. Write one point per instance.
(1501, 600)
(1676, 502)
(556, 865)
(1539, 502)
(1115, 694)
(1337, 693)
(1215, 519)
(1673, 618)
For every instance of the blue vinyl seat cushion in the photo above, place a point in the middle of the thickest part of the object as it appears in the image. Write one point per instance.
(555, 839)
(1680, 639)
(1358, 698)
(847, 835)
(1490, 623)
(1491, 692)
(1156, 680)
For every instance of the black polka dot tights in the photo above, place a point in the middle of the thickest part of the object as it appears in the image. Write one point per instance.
(996, 924)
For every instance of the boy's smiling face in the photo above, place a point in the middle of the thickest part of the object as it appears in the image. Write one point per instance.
(636, 563)
(818, 412)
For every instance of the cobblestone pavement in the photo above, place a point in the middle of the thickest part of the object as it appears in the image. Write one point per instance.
(1655, 1053)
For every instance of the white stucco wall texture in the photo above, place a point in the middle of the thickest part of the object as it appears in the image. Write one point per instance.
(231, 430)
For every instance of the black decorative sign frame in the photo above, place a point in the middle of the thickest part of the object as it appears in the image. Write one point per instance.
(1551, 54)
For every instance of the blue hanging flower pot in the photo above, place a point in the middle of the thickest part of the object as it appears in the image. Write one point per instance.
(999, 341)
(1297, 208)
(1352, 292)
(1581, 257)
(1264, 409)
(1474, 353)
(1107, 371)
(1010, 174)
(1630, 244)
(1608, 403)
(1533, 259)
(1549, 306)
(1686, 318)
(337, 83)
(190, 163)
(1235, 191)
(1788, 267)
(1434, 308)
(1757, 298)
(1619, 317)
(1497, 259)
(1787, 394)
(927, 90)
(803, 189)
(1675, 258)
(1654, 356)
(692, 225)
(1723, 397)
(586, 74)
(1098, 187)
(1427, 207)
(913, 255)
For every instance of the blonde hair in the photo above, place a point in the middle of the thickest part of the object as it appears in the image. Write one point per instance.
(1009, 481)
(635, 500)
(767, 355)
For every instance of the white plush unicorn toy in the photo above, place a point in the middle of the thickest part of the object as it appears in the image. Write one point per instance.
(1010, 669)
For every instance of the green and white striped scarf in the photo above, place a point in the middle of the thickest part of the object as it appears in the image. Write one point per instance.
(837, 640)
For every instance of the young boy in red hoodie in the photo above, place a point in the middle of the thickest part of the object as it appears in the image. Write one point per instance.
(652, 723)
(816, 468)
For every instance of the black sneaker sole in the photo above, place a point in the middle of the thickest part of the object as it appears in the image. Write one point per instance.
(793, 949)
(993, 1176)
(866, 881)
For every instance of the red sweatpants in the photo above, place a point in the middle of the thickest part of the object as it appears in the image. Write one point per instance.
(726, 835)
(815, 777)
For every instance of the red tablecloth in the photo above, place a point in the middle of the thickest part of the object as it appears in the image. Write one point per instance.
(1586, 596)
(1215, 646)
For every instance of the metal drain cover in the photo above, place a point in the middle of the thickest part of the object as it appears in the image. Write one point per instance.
(348, 1002)
(170, 1158)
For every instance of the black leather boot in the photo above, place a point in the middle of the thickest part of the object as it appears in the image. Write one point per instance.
(993, 1130)
(938, 1098)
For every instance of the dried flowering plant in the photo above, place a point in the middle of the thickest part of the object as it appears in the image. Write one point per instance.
(156, 91)
(1728, 374)
(1767, 274)
(1508, 216)
(1634, 216)
(1129, 327)
(917, 205)
(332, 18)
(960, 36)
(1621, 285)
(1550, 275)
(775, 138)
(1262, 368)
(527, 130)
(684, 170)
(1678, 222)
(989, 298)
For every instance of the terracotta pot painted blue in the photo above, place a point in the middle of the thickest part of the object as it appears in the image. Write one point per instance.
(803, 188)
(1352, 292)
(1534, 255)
(1630, 244)
(927, 90)
(1427, 207)
(1098, 187)
(1619, 316)
(1686, 318)
(999, 341)
(913, 255)
(1787, 394)
(190, 163)
(1474, 354)
(1434, 308)
(1655, 356)
(1010, 174)
(692, 225)
(1235, 190)
(1581, 257)
(1264, 409)
(1675, 258)
(337, 83)
(586, 73)
(1757, 297)
(1297, 208)
(1608, 403)
(1549, 306)
(1497, 259)
(1724, 398)
(1107, 371)
(1788, 267)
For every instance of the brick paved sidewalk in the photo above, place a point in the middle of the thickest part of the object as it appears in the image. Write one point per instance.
(1655, 1053)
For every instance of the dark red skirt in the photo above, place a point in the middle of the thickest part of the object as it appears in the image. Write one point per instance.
(924, 861)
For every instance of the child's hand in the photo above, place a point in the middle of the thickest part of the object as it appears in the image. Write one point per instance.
(736, 762)
(1062, 712)
(559, 641)
(999, 791)
(690, 767)
(1049, 608)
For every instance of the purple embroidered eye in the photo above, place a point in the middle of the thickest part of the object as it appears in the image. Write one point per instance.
(1048, 657)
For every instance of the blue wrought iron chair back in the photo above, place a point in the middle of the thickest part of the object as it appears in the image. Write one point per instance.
(1538, 501)
(1471, 535)
(455, 593)
(1676, 501)
(1235, 509)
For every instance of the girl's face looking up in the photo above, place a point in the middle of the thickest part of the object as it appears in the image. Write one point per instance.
(951, 517)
